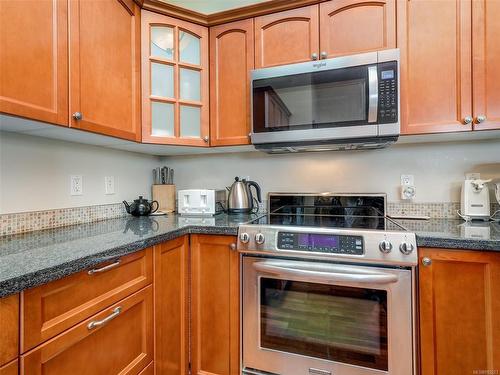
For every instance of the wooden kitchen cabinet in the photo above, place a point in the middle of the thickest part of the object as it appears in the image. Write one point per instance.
(104, 69)
(120, 343)
(34, 60)
(171, 306)
(231, 60)
(287, 37)
(215, 305)
(52, 308)
(356, 26)
(435, 41)
(486, 64)
(11, 368)
(175, 88)
(459, 299)
(9, 328)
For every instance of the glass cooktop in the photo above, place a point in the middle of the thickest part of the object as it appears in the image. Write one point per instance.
(329, 211)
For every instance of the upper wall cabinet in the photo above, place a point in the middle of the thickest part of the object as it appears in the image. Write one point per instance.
(231, 59)
(105, 67)
(33, 60)
(174, 81)
(287, 37)
(486, 64)
(434, 38)
(355, 26)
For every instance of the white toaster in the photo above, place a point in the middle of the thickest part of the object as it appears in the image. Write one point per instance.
(198, 202)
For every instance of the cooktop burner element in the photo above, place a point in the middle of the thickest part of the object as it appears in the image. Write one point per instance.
(350, 227)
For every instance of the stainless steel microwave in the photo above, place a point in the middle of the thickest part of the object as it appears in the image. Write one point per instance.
(348, 102)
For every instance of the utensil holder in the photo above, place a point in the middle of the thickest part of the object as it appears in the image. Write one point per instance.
(165, 195)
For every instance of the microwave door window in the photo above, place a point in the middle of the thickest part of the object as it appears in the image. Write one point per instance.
(323, 99)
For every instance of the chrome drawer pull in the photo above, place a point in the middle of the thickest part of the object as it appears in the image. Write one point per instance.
(97, 323)
(105, 268)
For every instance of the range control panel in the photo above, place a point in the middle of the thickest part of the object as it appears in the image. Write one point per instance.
(387, 92)
(321, 243)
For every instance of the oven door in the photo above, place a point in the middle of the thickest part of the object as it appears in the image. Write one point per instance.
(326, 319)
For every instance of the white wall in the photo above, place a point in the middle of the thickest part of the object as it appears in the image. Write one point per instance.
(438, 169)
(34, 173)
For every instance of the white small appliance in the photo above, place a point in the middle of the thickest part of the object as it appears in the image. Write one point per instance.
(200, 202)
(475, 202)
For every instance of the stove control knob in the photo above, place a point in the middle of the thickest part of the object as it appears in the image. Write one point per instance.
(406, 248)
(244, 237)
(260, 239)
(385, 246)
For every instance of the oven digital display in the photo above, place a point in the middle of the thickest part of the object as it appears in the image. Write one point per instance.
(318, 240)
(387, 74)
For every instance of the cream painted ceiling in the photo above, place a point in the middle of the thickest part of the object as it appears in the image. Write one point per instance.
(212, 6)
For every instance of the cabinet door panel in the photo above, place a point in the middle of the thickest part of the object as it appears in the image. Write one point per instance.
(105, 67)
(356, 26)
(9, 328)
(459, 297)
(215, 305)
(121, 345)
(286, 37)
(171, 307)
(11, 368)
(231, 60)
(434, 38)
(486, 63)
(33, 59)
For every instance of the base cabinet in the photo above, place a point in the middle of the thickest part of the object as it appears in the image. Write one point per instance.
(459, 298)
(118, 340)
(11, 368)
(171, 307)
(215, 324)
(9, 330)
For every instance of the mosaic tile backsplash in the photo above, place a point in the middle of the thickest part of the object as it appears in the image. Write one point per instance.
(31, 221)
(37, 220)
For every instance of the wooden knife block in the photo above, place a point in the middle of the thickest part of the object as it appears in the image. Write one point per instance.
(165, 195)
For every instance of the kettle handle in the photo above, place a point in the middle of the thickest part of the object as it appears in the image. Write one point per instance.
(157, 206)
(257, 189)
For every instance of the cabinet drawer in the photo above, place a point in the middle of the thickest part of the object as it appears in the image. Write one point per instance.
(50, 309)
(118, 340)
(9, 329)
(10, 368)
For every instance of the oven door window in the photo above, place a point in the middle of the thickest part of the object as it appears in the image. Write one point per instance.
(323, 99)
(336, 323)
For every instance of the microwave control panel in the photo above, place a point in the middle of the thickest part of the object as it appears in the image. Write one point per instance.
(387, 92)
(321, 243)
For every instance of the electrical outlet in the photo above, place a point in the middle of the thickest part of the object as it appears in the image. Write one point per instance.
(408, 192)
(407, 180)
(76, 185)
(109, 185)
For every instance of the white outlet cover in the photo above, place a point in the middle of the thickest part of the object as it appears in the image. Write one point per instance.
(407, 180)
(473, 176)
(76, 185)
(408, 192)
(109, 185)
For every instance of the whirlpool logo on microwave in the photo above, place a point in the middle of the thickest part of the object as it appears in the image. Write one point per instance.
(319, 65)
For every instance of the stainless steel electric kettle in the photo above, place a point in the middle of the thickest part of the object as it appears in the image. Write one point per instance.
(240, 199)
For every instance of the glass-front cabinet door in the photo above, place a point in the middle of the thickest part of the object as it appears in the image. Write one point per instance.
(174, 81)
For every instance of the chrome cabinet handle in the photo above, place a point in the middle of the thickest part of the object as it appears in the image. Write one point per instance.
(105, 268)
(426, 261)
(98, 323)
(467, 120)
(480, 119)
(77, 116)
(206, 139)
(324, 55)
(314, 56)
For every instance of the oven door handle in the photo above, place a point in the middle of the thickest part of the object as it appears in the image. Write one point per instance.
(323, 273)
(372, 93)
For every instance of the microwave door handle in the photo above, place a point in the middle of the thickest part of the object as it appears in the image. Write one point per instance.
(325, 276)
(372, 93)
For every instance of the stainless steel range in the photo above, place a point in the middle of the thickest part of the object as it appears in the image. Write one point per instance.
(328, 288)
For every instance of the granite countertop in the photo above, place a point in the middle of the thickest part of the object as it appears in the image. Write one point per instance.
(31, 259)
